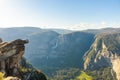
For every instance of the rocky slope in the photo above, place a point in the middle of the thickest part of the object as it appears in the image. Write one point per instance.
(104, 52)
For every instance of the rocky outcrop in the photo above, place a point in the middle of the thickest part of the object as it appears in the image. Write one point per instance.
(12, 78)
(11, 54)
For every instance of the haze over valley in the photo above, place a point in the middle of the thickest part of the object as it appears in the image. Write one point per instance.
(59, 39)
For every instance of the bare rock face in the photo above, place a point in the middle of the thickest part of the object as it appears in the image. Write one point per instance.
(115, 65)
(104, 52)
(10, 56)
(12, 78)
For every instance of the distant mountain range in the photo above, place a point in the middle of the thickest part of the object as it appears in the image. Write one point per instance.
(52, 49)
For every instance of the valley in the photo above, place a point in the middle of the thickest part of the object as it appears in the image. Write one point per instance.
(70, 55)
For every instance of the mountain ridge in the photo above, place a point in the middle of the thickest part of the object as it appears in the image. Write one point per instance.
(67, 50)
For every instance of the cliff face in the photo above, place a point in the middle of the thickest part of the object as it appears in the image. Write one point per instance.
(51, 49)
(104, 52)
(11, 56)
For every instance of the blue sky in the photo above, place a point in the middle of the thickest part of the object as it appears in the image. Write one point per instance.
(72, 14)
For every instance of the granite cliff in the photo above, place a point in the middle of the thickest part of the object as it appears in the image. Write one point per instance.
(12, 63)
(104, 52)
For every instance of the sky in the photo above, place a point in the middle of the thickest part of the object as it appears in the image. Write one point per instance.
(66, 14)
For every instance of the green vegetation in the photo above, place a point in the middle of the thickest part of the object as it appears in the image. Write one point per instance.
(27, 71)
(77, 74)
(102, 74)
(65, 74)
(84, 76)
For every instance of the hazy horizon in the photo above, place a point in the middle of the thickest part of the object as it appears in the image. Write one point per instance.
(60, 14)
(60, 28)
